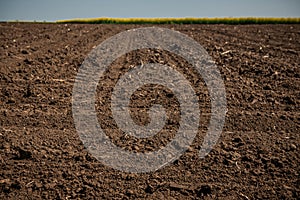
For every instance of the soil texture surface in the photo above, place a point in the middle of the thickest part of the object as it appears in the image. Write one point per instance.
(257, 155)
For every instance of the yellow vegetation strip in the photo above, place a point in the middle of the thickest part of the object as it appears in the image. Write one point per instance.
(243, 20)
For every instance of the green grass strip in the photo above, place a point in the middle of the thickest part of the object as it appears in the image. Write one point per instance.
(243, 20)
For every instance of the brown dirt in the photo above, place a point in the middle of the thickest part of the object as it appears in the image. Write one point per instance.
(257, 156)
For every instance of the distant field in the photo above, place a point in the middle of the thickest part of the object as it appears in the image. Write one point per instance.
(249, 20)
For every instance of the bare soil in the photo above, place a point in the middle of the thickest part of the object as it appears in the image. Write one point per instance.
(257, 156)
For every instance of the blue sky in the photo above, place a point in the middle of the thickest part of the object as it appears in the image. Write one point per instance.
(52, 10)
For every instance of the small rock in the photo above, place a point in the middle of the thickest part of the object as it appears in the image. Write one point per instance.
(5, 181)
(270, 99)
(136, 148)
(11, 100)
(24, 51)
(293, 147)
(130, 192)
